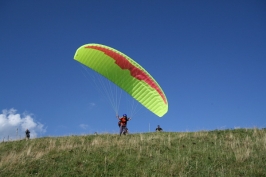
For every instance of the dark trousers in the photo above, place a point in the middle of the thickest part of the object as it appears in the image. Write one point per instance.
(123, 129)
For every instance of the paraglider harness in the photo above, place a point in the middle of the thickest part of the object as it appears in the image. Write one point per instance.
(123, 120)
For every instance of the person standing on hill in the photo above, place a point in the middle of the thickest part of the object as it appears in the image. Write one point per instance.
(123, 123)
(158, 129)
(27, 134)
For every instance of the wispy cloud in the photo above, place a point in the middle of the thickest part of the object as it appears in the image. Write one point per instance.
(83, 126)
(91, 105)
(13, 125)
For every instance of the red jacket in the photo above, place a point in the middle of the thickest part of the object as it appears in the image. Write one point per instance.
(123, 121)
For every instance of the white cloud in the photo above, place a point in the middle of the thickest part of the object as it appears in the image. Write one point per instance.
(13, 125)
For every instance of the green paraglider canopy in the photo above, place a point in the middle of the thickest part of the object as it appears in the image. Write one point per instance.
(125, 73)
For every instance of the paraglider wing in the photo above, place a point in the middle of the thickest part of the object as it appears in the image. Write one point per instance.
(125, 73)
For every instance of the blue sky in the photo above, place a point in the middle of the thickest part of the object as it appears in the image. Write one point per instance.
(209, 57)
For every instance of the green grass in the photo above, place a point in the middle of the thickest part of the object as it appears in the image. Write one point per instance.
(239, 152)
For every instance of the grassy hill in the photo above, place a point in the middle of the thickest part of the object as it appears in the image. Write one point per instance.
(239, 152)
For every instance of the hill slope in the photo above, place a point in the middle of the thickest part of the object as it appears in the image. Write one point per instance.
(240, 152)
